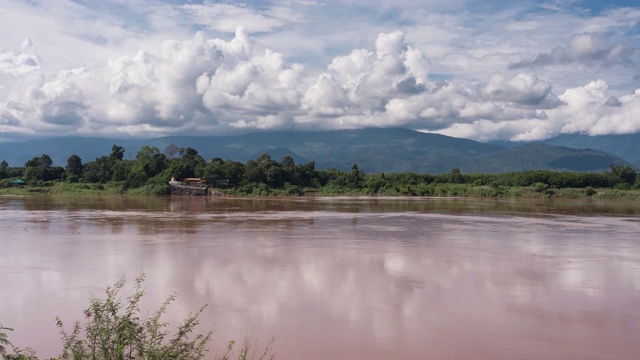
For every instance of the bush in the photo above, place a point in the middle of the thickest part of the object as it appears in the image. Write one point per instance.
(293, 190)
(622, 186)
(151, 189)
(4, 340)
(115, 329)
(540, 187)
(483, 191)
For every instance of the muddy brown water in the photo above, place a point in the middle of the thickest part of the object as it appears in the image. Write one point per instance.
(339, 278)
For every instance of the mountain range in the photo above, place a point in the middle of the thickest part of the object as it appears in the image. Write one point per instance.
(373, 150)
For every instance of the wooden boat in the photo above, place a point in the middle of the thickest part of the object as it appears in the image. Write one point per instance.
(189, 187)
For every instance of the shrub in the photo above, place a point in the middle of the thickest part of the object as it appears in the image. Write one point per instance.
(151, 189)
(116, 330)
(293, 190)
(483, 191)
(540, 187)
(4, 340)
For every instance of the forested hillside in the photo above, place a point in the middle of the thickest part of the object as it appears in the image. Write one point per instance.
(374, 150)
(537, 156)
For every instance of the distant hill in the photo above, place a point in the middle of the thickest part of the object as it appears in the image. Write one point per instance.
(538, 156)
(626, 146)
(374, 150)
(59, 149)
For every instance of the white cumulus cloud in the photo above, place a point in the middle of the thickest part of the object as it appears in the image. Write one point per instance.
(515, 71)
(585, 48)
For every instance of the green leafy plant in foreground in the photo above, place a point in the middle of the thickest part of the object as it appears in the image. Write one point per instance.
(4, 340)
(17, 354)
(246, 352)
(116, 330)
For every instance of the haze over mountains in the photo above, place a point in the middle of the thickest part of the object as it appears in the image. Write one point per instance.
(374, 150)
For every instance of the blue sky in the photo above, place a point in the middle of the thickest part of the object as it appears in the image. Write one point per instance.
(485, 70)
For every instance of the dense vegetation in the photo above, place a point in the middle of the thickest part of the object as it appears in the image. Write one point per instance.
(151, 170)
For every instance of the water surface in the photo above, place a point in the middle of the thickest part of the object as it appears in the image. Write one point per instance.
(339, 278)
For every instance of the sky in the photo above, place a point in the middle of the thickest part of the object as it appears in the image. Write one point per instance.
(483, 70)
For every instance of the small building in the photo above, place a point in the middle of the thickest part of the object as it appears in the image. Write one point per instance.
(18, 183)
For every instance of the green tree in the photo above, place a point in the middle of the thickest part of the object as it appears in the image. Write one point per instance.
(252, 172)
(272, 173)
(108, 168)
(356, 178)
(218, 169)
(456, 176)
(151, 160)
(117, 152)
(190, 164)
(121, 169)
(274, 176)
(4, 166)
(171, 150)
(56, 173)
(38, 168)
(136, 178)
(307, 175)
(625, 173)
(15, 172)
(74, 168)
(100, 170)
(287, 161)
(214, 170)
(234, 171)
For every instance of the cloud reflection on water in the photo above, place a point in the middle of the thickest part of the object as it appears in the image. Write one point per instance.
(392, 282)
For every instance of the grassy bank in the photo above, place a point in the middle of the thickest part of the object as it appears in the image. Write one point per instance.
(447, 190)
(111, 188)
(427, 190)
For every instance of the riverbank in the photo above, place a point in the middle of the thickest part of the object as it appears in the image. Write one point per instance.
(430, 190)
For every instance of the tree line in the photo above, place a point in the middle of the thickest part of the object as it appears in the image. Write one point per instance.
(151, 170)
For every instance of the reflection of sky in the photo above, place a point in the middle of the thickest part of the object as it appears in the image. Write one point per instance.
(390, 283)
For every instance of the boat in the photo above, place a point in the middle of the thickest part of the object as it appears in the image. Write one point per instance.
(189, 187)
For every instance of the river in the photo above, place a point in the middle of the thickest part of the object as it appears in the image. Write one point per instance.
(338, 278)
